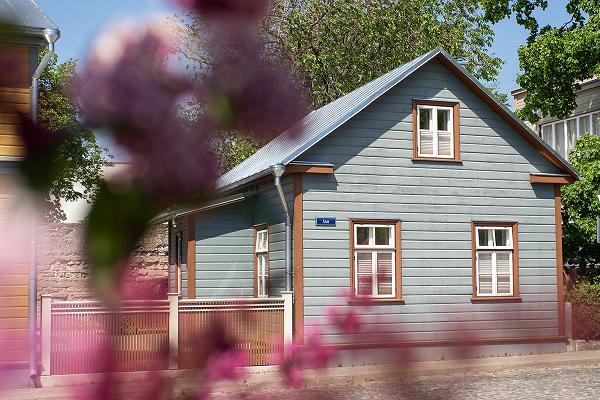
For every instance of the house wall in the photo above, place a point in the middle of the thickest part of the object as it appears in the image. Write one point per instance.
(268, 210)
(18, 63)
(588, 100)
(224, 251)
(14, 269)
(375, 178)
(225, 244)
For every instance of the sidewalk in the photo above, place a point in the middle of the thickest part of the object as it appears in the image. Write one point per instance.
(337, 376)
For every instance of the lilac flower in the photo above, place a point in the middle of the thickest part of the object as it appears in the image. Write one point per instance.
(246, 92)
(347, 321)
(226, 9)
(227, 365)
(312, 354)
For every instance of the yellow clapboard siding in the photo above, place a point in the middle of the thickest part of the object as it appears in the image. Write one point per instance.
(13, 97)
(9, 118)
(9, 334)
(9, 139)
(14, 280)
(17, 301)
(12, 151)
(13, 323)
(15, 90)
(12, 291)
(19, 73)
(13, 312)
(21, 268)
(14, 355)
(11, 108)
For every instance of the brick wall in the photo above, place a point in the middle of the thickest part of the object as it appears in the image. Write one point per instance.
(62, 270)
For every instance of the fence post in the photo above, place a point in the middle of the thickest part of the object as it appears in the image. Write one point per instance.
(173, 330)
(288, 320)
(46, 332)
(569, 320)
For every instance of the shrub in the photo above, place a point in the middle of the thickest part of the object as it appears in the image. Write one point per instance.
(585, 298)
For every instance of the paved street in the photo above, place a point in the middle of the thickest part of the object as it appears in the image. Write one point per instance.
(566, 382)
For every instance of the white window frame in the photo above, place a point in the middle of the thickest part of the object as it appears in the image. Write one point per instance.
(261, 249)
(434, 130)
(564, 122)
(374, 249)
(493, 249)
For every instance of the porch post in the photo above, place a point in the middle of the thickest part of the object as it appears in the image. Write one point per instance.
(569, 320)
(46, 332)
(173, 330)
(288, 325)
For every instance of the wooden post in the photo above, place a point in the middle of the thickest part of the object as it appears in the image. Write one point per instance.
(46, 332)
(288, 320)
(173, 330)
(569, 320)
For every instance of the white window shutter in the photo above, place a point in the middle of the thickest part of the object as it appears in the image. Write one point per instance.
(503, 268)
(484, 270)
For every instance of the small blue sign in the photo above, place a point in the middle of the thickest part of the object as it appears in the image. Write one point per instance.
(325, 221)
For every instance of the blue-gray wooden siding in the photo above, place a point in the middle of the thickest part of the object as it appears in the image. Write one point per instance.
(375, 178)
(224, 251)
(268, 210)
(225, 245)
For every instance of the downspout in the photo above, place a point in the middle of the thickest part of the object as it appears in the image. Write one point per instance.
(51, 36)
(278, 171)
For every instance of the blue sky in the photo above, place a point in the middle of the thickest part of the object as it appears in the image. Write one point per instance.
(81, 20)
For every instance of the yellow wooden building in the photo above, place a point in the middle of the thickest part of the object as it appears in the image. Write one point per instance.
(24, 31)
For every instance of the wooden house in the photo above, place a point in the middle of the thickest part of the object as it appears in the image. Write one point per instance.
(23, 34)
(419, 191)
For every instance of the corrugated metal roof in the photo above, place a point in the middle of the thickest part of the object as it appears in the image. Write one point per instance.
(320, 123)
(25, 14)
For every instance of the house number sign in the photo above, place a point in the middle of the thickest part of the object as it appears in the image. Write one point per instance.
(325, 221)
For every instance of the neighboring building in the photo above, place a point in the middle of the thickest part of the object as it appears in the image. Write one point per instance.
(22, 37)
(561, 134)
(417, 189)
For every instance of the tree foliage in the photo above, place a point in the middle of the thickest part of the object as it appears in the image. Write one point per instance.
(581, 207)
(556, 59)
(338, 45)
(80, 157)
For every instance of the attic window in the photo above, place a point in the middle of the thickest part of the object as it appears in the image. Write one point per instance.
(435, 131)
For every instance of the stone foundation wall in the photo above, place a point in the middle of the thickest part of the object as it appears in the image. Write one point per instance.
(63, 272)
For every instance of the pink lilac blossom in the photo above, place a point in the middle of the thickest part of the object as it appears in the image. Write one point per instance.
(226, 9)
(314, 353)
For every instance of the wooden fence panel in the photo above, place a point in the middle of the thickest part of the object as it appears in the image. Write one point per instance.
(87, 338)
(252, 325)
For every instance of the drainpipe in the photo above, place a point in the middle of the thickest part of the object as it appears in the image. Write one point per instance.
(51, 36)
(278, 171)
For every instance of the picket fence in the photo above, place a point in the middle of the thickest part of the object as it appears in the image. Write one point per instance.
(160, 334)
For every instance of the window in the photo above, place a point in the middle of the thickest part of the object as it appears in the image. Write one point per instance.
(495, 260)
(562, 135)
(435, 130)
(376, 262)
(261, 261)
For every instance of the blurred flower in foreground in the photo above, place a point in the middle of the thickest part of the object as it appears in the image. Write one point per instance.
(312, 354)
(226, 9)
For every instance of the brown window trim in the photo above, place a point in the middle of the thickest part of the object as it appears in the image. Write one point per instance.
(257, 228)
(398, 260)
(455, 127)
(515, 297)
